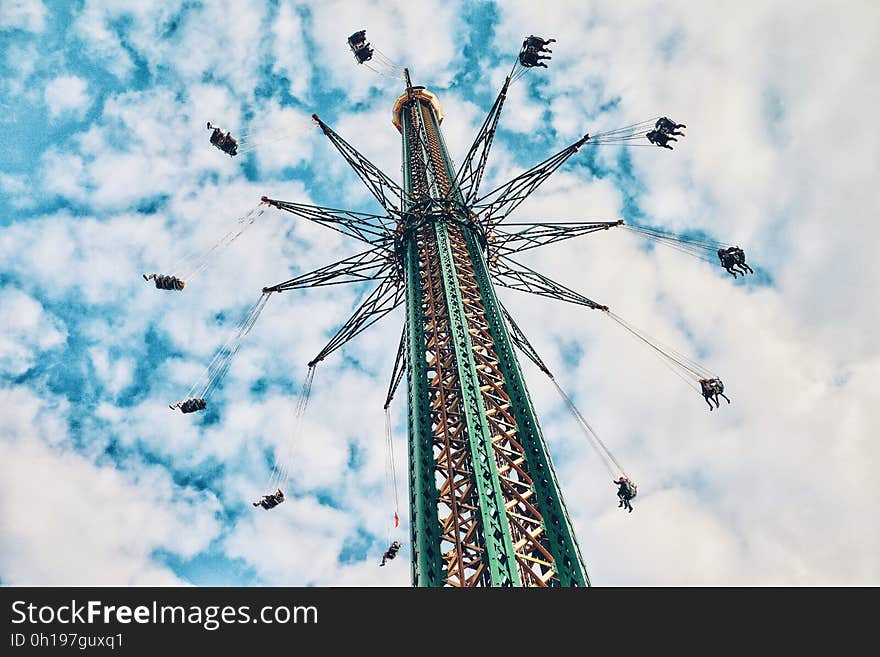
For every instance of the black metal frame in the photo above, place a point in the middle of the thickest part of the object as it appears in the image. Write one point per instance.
(398, 370)
(382, 231)
(369, 265)
(534, 235)
(521, 342)
(468, 178)
(501, 201)
(381, 301)
(517, 276)
(389, 194)
(369, 228)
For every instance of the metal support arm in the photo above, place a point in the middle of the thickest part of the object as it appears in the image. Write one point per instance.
(469, 176)
(516, 276)
(369, 228)
(503, 200)
(522, 343)
(367, 266)
(387, 192)
(381, 301)
(533, 235)
(399, 369)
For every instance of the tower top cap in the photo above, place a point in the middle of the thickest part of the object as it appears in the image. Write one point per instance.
(416, 92)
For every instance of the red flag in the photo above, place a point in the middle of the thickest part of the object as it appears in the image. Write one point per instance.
(396, 520)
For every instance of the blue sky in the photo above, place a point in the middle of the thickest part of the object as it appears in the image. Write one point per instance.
(108, 173)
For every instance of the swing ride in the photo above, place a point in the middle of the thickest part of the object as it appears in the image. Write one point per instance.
(485, 504)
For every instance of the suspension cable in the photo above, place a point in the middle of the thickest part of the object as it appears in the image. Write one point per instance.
(280, 476)
(382, 65)
(383, 74)
(259, 137)
(193, 264)
(249, 146)
(625, 135)
(662, 234)
(688, 366)
(600, 447)
(391, 469)
(386, 60)
(219, 365)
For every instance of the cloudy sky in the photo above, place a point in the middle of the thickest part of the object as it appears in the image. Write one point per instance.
(107, 173)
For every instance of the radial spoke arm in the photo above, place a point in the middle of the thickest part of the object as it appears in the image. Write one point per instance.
(367, 266)
(470, 174)
(386, 191)
(516, 276)
(522, 343)
(381, 301)
(525, 236)
(370, 228)
(503, 200)
(399, 369)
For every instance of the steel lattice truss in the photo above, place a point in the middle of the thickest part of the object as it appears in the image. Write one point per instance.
(486, 509)
(380, 230)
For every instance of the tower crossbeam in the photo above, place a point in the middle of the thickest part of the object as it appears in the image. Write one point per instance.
(517, 276)
(370, 228)
(497, 205)
(525, 236)
(387, 192)
(374, 264)
(469, 176)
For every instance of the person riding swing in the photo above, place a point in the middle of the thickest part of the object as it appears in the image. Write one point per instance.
(391, 552)
(660, 139)
(270, 501)
(711, 389)
(669, 127)
(225, 142)
(626, 490)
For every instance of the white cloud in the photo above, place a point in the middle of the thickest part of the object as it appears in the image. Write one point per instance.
(17, 190)
(28, 15)
(281, 137)
(108, 521)
(67, 94)
(291, 56)
(100, 41)
(117, 372)
(22, 61)
(12, 185)
(28, 330)
(756, 167)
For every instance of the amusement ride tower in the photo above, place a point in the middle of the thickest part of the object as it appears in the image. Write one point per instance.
(485, 505)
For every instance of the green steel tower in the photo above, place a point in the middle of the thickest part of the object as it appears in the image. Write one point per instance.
(485, 504)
